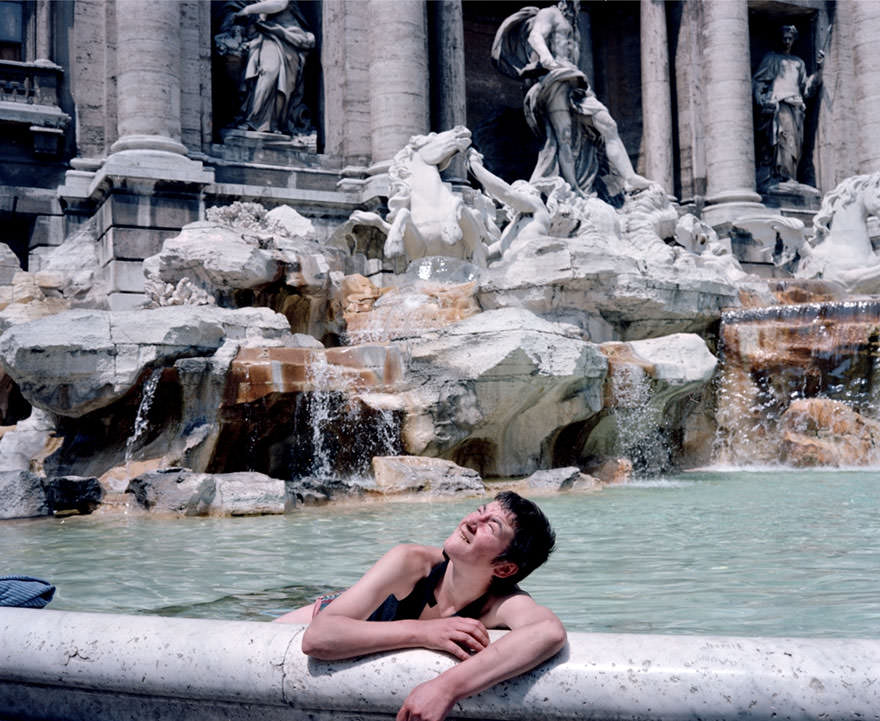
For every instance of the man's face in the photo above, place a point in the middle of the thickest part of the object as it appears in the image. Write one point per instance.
(481, 536)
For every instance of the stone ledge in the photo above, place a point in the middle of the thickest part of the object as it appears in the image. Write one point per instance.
(56, 664)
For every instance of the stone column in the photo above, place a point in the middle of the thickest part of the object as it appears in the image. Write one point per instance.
(148, 76)
(44, 32)
(399, 83)
(656, 94)
(447, 74)
(729, 132)
(147, 186)
(866, 61)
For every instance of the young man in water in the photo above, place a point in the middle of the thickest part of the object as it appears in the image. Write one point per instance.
(445, 599)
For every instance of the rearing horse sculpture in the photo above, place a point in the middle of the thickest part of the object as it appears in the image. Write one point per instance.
(425, 217)
(842, 249)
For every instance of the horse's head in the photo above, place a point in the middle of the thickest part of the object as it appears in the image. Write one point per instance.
(438, 148)
(871, 195)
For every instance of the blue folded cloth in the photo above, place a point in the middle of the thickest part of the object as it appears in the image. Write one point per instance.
(25, 592)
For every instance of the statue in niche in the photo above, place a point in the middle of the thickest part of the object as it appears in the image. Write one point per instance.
(541, 48)
(781, 87)
(269, 39)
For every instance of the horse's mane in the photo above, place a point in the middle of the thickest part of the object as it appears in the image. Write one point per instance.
(399, 173)
(643, 211)
(845, 193)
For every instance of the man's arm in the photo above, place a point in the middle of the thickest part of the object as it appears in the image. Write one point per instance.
(500, 189)
(542, 26)
(341, 631)
(536, 634)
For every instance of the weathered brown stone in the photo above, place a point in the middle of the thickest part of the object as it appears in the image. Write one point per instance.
(403, 312)
(613, 470)
(775, 354)
(257, 372)
(824, 432)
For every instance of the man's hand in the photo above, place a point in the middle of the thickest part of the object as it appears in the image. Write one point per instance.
(429, 701)
(460, 637)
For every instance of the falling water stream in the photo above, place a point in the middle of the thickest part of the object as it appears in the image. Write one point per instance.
(777, 355)
(142, 418)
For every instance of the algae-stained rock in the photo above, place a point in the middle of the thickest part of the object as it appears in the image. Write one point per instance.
(9, 264)
(81, 360)
(74, 493)
(562, 479)
(22, 495)
(653, 388)
(412, 474)
(29, 439)
(185, 493)
(498, 389)
(174, 490)
(380, 314)
(248, 494)
(612, 470)
(825, 432)
(675, 364)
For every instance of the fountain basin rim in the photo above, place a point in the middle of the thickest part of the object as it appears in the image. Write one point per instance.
(59, 664)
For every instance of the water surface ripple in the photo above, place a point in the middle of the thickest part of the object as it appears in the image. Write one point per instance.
(771, 553)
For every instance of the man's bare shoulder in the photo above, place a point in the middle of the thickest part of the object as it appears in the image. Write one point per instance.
(550, 15)
(512, 609)
(413, 558)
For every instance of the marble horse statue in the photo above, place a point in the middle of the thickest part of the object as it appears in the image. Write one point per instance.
(841, 250)
(425, 218)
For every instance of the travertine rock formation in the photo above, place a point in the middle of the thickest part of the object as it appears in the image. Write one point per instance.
(824, 432)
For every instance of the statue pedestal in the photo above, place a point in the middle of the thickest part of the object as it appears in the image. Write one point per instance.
(793, 199)
(305, 143)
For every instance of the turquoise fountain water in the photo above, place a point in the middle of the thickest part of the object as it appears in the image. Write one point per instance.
(773, 552)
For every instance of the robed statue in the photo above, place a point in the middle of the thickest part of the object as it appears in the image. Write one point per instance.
(540, 47)
(270, 40)
(781, 87)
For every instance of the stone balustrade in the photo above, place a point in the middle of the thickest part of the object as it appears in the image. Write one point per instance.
(29, 97)
(56, 664)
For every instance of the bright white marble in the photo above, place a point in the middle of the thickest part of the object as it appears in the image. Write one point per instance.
(101, 666)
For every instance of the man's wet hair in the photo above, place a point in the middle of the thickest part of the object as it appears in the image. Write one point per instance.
(533, 538)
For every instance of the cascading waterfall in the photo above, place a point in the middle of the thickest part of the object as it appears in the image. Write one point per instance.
(345, 433)
(142, 418)
(321, 402)
(638, 421)
(800, 384)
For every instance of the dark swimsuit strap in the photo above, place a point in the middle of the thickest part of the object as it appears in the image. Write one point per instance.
(412, 606)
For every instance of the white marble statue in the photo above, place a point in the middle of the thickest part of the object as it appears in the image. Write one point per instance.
(527, 213)
(781, 86)
(425, 218)
(272, 49)
(841, 249)
(541, 48)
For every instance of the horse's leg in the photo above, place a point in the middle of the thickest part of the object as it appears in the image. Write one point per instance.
(472, 233)
(404, 237)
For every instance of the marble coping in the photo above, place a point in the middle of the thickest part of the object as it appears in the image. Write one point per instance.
(66, 665)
